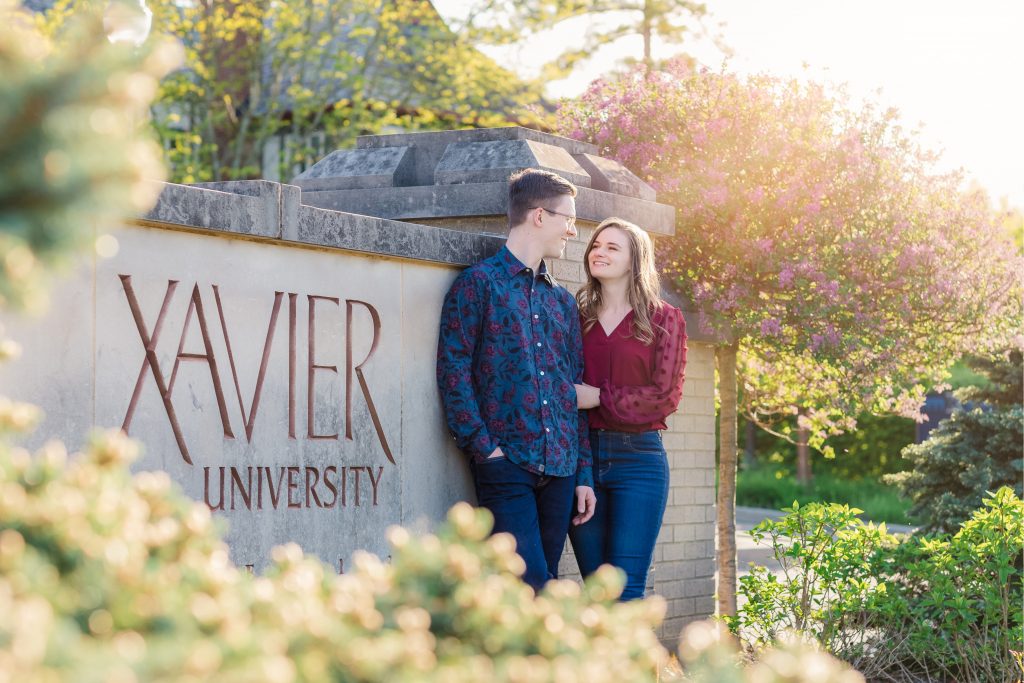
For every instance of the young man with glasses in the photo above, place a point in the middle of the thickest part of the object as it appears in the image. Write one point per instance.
(509, 353)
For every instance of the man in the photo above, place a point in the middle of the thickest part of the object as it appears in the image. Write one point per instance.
(508, 356)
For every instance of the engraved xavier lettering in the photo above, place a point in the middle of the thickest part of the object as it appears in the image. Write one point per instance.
(195, 305)
(150, 362)
(313, 367)
(250, 420)
(291, 364)
(349, 368)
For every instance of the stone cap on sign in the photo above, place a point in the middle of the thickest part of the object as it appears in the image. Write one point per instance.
(265, 210)
(261, 209)
(459, 173)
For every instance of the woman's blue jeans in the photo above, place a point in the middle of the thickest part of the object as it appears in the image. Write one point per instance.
(631, 483)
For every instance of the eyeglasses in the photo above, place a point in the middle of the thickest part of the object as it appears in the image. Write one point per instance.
(570, 220)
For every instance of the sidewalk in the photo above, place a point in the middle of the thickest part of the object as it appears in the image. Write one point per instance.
(748, 552)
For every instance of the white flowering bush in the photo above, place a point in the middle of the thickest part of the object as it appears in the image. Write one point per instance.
(710, 654)
(107, 576)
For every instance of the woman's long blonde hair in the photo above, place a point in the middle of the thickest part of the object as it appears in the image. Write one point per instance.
(644, 288)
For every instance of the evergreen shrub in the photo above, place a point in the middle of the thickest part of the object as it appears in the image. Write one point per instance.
(978, 449)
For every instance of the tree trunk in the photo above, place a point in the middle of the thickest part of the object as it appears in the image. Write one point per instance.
(726, 357)
(803, 452)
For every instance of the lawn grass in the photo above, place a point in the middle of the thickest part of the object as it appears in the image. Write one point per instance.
(767, 487)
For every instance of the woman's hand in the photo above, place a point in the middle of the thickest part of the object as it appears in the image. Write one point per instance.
(587, 396)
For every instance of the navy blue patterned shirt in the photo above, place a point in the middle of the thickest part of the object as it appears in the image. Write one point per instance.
(509, 351)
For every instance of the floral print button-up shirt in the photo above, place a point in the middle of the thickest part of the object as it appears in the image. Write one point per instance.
(509, 352)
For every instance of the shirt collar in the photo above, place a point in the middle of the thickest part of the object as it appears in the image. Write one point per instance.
(512, 266)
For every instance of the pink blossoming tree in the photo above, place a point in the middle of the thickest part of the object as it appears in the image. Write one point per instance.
(814, 235)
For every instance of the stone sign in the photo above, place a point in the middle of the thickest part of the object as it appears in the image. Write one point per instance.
(273, 348)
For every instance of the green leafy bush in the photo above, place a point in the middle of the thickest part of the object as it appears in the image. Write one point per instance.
(974, 451)
(828, 560)
(942, 608)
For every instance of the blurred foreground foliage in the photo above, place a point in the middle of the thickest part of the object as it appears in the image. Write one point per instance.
(108, 576)
(74, 154)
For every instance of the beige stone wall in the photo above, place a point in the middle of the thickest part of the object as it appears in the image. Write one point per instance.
(376, 286)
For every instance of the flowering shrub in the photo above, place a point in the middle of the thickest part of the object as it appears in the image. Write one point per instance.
(921, 608)
(815, 231)
(106, 576)
(818, 238)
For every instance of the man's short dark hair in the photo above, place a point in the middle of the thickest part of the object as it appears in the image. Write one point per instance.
(531, 186)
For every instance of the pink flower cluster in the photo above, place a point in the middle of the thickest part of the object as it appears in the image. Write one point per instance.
(816, 230)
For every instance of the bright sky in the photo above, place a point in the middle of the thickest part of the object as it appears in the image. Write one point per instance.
(957, 67)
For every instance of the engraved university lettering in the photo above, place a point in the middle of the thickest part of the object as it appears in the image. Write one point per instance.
(292, 487)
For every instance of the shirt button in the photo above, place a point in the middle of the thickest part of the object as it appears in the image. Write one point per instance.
(539, 344)
(547, 429)
(541, 373)
(535, 316)
(545, 401)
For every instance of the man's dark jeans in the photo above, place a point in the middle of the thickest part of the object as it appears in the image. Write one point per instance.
(534, 508)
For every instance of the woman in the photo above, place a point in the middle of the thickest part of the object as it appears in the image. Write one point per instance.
(634, 353)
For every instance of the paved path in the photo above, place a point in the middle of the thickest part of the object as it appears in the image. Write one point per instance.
(747, 551)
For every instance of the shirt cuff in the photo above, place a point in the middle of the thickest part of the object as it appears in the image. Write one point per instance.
(585, 476)
(482, 446)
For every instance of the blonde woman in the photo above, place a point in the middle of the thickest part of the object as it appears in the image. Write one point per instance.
(634, 354)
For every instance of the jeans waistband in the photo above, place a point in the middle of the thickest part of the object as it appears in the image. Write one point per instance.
(613, 432)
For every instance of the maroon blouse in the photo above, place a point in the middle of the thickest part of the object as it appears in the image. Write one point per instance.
(640, 385)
